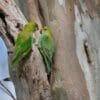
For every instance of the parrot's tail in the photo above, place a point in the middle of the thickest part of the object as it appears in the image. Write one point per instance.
(14, 63)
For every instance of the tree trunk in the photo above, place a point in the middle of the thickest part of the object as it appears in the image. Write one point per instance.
(87, 43)
(31, 79)
(75, 28)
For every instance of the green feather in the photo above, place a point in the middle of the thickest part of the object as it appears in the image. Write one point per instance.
(46, 47)
(23, 44)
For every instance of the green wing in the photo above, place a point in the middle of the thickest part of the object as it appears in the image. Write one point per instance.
(22, 49)
(47, 48)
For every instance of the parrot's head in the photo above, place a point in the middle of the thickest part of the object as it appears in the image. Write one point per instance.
(46, 30)
(31, 26)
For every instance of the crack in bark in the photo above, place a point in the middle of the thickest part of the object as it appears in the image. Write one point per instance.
(41, 13)
(86, 49)
(9, 36)
(19, 26)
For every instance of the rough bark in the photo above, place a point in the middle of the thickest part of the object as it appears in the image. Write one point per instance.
(60, 17)
(30, 78)
(87, 43)
(76, 63)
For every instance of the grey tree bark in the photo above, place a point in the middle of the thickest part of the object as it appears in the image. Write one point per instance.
(75, 28)
(30, 78)
(87, 43)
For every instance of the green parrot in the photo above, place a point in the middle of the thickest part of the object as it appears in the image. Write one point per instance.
(23, 43)
(46, 47)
